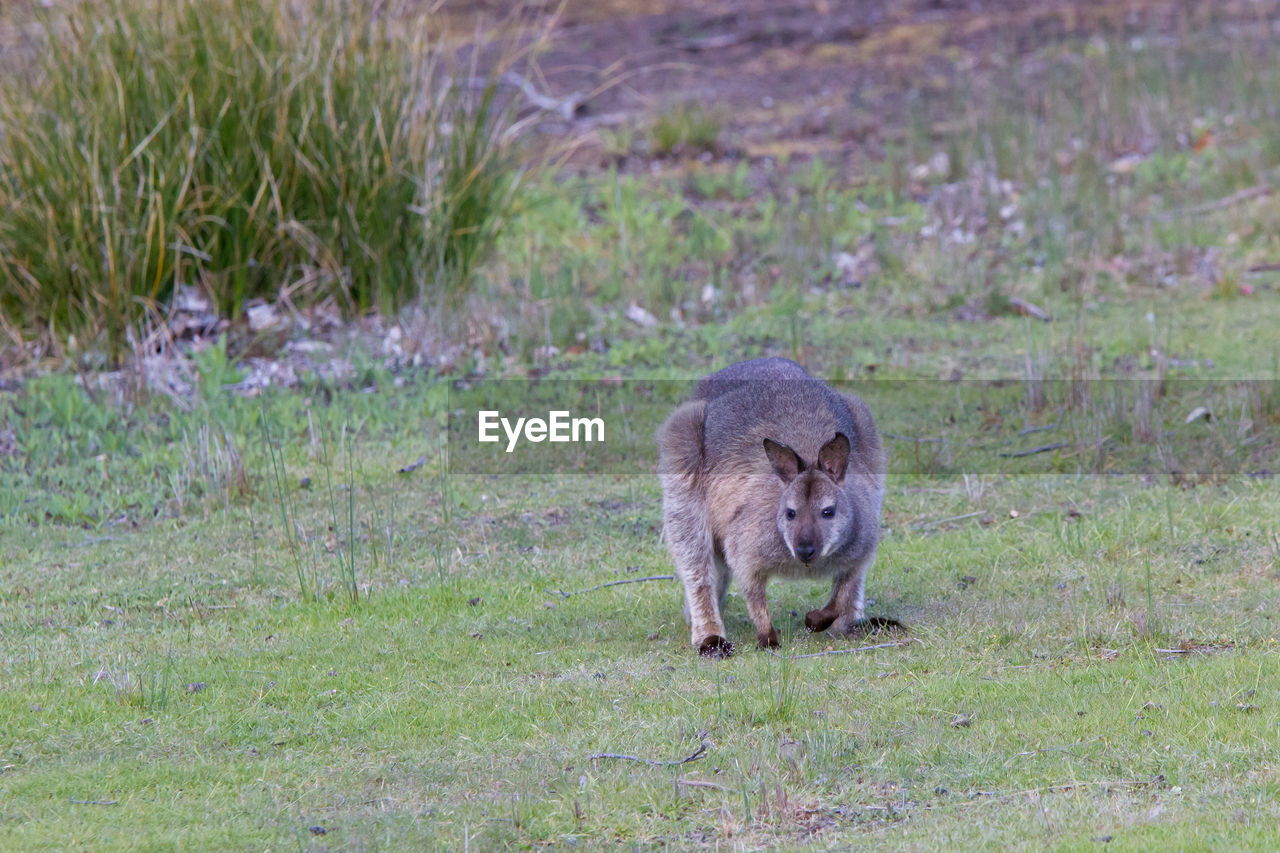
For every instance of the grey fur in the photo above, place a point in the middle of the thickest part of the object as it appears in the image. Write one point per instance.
(747, 469)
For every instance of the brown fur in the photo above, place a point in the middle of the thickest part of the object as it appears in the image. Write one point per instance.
(768, 472)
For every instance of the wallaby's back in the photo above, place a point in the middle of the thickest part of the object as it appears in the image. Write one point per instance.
(775, 398)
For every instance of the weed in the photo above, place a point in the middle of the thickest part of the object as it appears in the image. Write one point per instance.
(211, 465)
(214, 369)
(345, 549)
(687, 129)
(143, 689)
(733, 185)
(295, 538)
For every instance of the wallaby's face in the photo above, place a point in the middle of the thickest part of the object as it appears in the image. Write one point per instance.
(815, 515)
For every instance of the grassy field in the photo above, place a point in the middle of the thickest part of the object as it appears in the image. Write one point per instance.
(1088, 657)
(233, 622)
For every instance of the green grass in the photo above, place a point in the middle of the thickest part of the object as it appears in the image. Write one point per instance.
(317, 147)
(686, 129)
(408, 715)
(236, 620)
(417, 717)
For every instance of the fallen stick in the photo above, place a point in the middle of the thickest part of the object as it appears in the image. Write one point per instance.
(93, 802)
(697, 753)
(563, 594)
(714, 42)
(1028, 309)
(847, 651)
(414, 465)
(1058, 748)
(911, 438)
(1217, 204)
(1044, 448)
(1101, 783)
(1153, 782)
(91, 540)
(566, 106)
(921, 525)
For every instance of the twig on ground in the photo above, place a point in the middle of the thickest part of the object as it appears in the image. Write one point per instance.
(698, 783)
(896, 437)
(566, 106)
(1045, 428)
(1261, 268)
(921, 525)
(1044, 448)
(712, 42)
(898, 644)
(694, 756)
(414, 465)
(1173, 651)
(1028, 309)
(1217, 204)
(93, 802)
(1101, 783)
(564, 594)
(91, 540)
(1058, 748)
(1154, 781)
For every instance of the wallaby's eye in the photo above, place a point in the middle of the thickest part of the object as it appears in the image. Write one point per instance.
(828, 511)
(791, 513)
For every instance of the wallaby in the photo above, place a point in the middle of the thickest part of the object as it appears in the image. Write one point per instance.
(768, 471)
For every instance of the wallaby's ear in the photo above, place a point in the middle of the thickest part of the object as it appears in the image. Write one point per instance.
(784, 460)
(833, 458)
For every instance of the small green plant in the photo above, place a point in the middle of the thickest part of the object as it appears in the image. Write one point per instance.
(134, 686)
(215, 369)
(211, 465)
(733, 185)
(688, 129)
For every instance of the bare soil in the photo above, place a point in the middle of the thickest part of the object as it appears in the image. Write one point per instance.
(810, 77)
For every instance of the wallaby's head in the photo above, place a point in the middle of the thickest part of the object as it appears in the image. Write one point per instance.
(815, 514)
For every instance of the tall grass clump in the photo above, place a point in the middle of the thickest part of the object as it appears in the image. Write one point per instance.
(247, 147)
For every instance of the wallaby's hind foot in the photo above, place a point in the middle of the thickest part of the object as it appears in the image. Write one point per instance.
(768, 640)
(715, 647)
(820, 619)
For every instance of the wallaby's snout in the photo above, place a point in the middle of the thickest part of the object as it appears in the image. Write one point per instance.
(767, 473)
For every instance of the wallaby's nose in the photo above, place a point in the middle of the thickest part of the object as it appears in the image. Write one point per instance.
(805, 553)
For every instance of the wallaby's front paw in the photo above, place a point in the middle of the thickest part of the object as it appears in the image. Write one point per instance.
(715, 647)
(769, 640)
(819, 620)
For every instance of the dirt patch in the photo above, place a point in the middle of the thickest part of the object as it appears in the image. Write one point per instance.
(817, 77)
